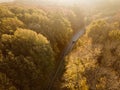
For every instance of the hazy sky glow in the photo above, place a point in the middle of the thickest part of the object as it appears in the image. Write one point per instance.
(63, 2)
(73, 1)
(59, 1)
(6, 0)
(67, 2)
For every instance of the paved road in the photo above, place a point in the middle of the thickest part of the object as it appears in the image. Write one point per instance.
(74, 39)
(72, 42)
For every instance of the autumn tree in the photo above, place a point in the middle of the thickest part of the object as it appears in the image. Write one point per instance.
(94, 62)
(27, 59)
(5, 12)
(9, 25)
(30, 40)
(105, 73)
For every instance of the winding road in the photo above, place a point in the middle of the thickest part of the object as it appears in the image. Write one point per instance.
(69, 47)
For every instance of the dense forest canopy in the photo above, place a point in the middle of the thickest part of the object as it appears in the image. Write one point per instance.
(34, 35)
(31, 41)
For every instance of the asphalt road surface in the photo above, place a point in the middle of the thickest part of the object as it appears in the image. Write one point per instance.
(72, 42)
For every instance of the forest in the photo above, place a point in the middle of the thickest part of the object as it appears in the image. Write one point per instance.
(33, 38)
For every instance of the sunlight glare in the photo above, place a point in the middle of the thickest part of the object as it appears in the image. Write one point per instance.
(87, 1)
(69, 2)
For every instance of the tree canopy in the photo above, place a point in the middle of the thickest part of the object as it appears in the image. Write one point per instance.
(27, 59)
(31, 41)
